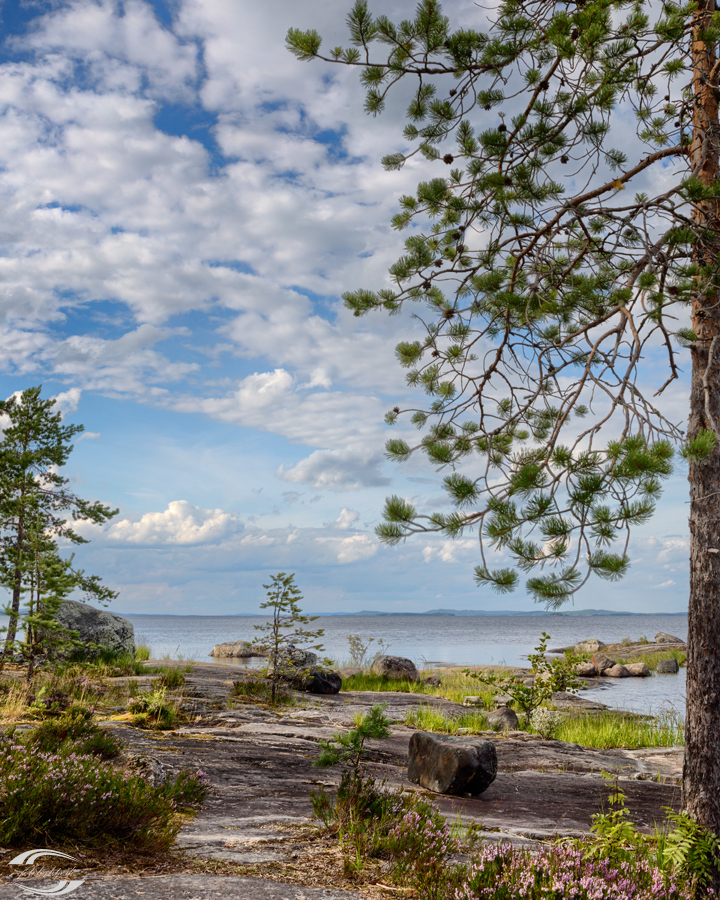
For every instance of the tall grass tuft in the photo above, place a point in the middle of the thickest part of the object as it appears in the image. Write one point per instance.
(612, 730)
(454, 686)
(427, 718)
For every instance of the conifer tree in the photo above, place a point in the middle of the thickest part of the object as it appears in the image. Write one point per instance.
(564, 267)
(37, 508)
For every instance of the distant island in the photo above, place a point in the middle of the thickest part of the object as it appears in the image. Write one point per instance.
(570, 613)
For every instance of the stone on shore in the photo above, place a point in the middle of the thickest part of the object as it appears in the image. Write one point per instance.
(616, 671)
(662, 638)
(504, 719)
(474, 700)
(397, 667)
(586, 670)
(290, 659)
(316, 681)
(235, 650)
(668, 667)
(451, 765)
(590, 645)
(602, 662)
(110, 633)
(638, 669)
(501, 700)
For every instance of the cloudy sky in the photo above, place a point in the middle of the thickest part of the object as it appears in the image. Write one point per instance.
(182, 204)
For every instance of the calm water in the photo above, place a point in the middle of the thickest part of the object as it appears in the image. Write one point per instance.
(442, 640)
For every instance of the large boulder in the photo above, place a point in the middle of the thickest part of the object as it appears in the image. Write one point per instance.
(105, 630)
(396, 667)
(616, 671)
(291, 660)
(316, 681)
(638, 669)
(662, 638)
(668, 667)
(451, 765)
(602, 662)
(590, 645)
(235, 650)
(586, 670)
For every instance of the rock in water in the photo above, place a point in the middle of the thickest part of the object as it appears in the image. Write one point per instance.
(395, 667)
(662, 638)
(586, 670)
(315, 681)
(111, 633)
(602, 662)
(616, 671)
(639, 669)
(451, 765)
(234, 649)
(668, 667)
(591, 645)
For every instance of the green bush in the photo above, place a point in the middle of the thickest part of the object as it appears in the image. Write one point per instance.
(72, 796)
(74, 734)
(151, 709)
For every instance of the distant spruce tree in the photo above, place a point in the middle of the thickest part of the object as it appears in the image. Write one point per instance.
(548, 285)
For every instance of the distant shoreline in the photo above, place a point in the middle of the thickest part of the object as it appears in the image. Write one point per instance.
(578, 613)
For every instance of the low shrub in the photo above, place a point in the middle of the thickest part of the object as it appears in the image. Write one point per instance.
(70, 795)
(564, 872)
(77, 734)
(256, 689)
(152, 709)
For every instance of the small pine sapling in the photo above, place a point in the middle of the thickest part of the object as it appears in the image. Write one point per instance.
(283, 630)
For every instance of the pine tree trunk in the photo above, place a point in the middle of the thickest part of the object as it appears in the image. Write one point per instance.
(701, 775)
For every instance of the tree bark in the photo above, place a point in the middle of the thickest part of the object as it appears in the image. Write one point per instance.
(701, 773)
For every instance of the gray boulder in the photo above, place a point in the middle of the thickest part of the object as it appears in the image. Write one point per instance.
(451, 765)
(397, 667)
(316, 681)
(638, 670)
(290, 659)
(235, 650)
(616, 671)
(501, 700)
(591, 645)
(586, 670)
(474, 700)
(109, 632)
(662, 638)
(668, 667)
(503, 719)
(602, 662)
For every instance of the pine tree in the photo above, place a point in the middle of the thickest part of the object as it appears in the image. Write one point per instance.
(37, 508)
(564, 269)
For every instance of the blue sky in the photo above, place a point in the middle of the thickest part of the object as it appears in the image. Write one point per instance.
(182, 205)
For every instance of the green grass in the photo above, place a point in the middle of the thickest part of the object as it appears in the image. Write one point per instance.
(608, 731)
(604, 731)
(454, 686)
(652, 659)
(426, 718)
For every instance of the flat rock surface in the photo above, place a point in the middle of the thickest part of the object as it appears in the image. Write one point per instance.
(187, 887)
(260, 763)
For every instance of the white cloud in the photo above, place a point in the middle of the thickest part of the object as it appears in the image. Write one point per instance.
(181, 523)
(668, 583)
(337, 470)
(355, 549)
(67, 401)
(346, 519)
(448, 551)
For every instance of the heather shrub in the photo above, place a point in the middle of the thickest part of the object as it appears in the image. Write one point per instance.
(68, 794)
(74, 734)
(565, 872)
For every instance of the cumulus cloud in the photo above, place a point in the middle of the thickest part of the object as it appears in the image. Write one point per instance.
(355, 549)
(346, 519)
(337, 470)
(181, 523)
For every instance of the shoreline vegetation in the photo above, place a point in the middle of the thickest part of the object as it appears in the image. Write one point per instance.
(62, 760)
